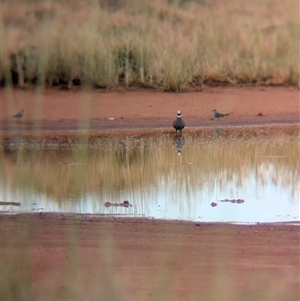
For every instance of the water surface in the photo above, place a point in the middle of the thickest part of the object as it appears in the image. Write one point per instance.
(197, 176)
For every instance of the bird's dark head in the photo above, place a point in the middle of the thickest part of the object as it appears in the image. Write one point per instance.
(178, 113)
(214, 111)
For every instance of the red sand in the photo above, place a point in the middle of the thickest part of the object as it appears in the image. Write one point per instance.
(142, 259)
(59, 110)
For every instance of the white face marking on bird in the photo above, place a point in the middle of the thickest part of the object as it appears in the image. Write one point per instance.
(178, 113)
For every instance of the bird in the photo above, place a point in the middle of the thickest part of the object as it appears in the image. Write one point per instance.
(178, 123)
(218, 115)
(19, 115)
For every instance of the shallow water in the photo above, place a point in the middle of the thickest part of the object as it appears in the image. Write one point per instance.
(220, 175)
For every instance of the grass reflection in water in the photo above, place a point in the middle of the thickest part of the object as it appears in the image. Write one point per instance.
(139, 166)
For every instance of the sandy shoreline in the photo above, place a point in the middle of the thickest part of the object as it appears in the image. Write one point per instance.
(58, 111)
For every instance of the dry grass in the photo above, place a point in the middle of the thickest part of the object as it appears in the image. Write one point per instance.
(170, 45)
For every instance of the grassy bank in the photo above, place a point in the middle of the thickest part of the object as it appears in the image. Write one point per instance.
(169, 45)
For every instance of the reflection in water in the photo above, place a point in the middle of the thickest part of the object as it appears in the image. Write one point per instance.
(145, 171)
(179, 143)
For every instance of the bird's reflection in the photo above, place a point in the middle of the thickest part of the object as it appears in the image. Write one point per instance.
(15, 142)
(218, 132)
(179, 143)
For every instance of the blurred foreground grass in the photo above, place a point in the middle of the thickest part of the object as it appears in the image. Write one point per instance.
(171, 45)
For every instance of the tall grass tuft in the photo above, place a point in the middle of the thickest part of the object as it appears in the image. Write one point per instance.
(170, 45)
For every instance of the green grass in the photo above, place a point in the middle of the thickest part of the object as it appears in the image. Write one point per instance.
(167, 45)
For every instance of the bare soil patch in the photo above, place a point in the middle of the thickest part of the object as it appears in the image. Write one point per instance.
(57, 110)
(141, 259)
